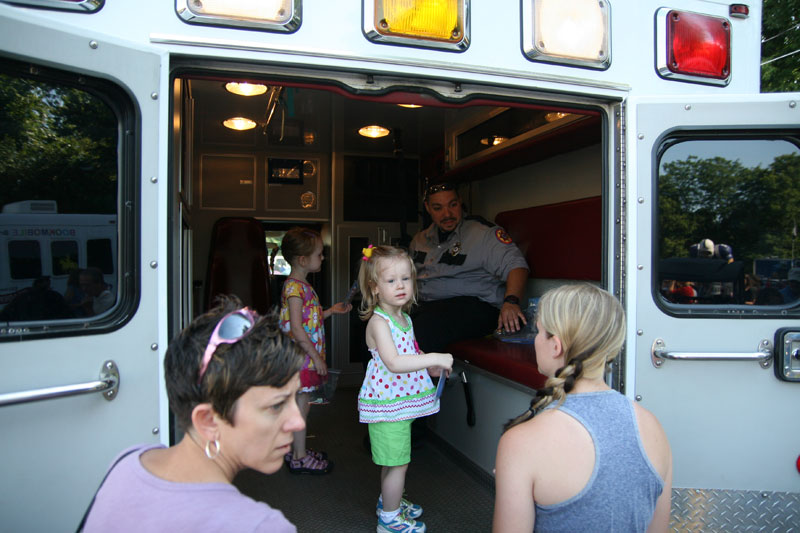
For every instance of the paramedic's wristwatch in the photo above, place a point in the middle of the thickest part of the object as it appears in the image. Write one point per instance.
(511, 299)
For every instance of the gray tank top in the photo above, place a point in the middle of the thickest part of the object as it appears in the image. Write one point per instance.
(621, 493)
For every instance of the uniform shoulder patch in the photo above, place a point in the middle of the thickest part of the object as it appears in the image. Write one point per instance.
(480, 219)
(502, 236)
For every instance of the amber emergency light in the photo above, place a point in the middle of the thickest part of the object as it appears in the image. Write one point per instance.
(440, 24)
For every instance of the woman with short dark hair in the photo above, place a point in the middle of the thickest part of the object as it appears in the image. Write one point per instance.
(231, 378)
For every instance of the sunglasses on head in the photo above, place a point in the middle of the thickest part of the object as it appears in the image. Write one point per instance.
(230, 329)
(438, 187)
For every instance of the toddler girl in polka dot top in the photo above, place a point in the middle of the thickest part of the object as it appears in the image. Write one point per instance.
(397, 387)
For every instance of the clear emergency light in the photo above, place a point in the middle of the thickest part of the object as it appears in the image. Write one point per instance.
(267, 15)
(693, 47)
(574, 32)
(84, 6)
(441, 24)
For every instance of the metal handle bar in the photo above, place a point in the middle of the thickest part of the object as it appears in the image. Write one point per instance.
(107, 383)
(658, 353)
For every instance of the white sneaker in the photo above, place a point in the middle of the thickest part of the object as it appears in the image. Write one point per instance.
(401, 524)
(412, 510)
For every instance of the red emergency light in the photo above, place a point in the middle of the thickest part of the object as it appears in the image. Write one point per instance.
(698, 45)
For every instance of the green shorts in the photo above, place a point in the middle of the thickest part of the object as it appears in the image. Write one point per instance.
(390, 442)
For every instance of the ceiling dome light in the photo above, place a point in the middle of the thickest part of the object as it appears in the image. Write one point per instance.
(493, 140)
(555, 115)
(239, 123)
(373, 132)
(245, 89)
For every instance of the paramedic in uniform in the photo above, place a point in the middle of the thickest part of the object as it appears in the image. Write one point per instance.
(471, 277)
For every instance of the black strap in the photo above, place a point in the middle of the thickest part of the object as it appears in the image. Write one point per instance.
(91, 503)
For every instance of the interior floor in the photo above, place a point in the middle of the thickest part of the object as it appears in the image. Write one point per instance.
(452, 496)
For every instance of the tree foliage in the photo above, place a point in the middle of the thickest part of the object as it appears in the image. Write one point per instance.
(755, 210)
(780, 42)
(57, 143)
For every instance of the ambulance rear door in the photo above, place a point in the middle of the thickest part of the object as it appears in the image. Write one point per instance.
(713, 203)
(76, 390)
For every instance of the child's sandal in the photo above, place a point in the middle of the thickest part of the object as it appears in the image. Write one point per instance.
(310, 465)
(319, 455)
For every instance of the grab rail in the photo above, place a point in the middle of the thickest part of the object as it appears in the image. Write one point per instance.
(107, 383)
(659, 353)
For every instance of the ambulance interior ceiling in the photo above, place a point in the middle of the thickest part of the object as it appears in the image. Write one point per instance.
(332, 118)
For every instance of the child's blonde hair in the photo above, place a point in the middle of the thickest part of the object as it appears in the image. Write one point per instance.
(299, 242)
(368, 278)
(591, 325)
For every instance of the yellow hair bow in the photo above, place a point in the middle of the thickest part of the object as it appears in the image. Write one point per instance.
(367, 253)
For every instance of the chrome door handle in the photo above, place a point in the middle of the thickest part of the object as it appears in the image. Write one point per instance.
(763, 354)
(107, 383)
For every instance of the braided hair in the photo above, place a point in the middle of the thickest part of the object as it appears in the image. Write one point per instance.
(590, 323)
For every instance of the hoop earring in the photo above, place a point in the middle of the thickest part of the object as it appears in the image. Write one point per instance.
(216, 449)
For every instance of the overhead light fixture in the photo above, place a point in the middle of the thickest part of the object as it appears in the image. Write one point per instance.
(555, 115)
(410, 106)
(373, 132)
(273, 102)
(245, 89)
(239, 123)
(493, 140)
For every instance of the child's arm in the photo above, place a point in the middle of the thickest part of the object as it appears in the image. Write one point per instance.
(379, 336)
(301, 337)
(339, 308)
(436, 371)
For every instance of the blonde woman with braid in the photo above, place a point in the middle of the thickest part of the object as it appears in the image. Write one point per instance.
(590, 459)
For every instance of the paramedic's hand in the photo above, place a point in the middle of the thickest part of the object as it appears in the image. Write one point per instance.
(510, 316)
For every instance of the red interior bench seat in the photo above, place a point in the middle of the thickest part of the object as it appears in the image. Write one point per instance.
(516, 362)
(559, 241)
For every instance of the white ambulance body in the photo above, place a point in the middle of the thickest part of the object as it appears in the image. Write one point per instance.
(721, 377)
